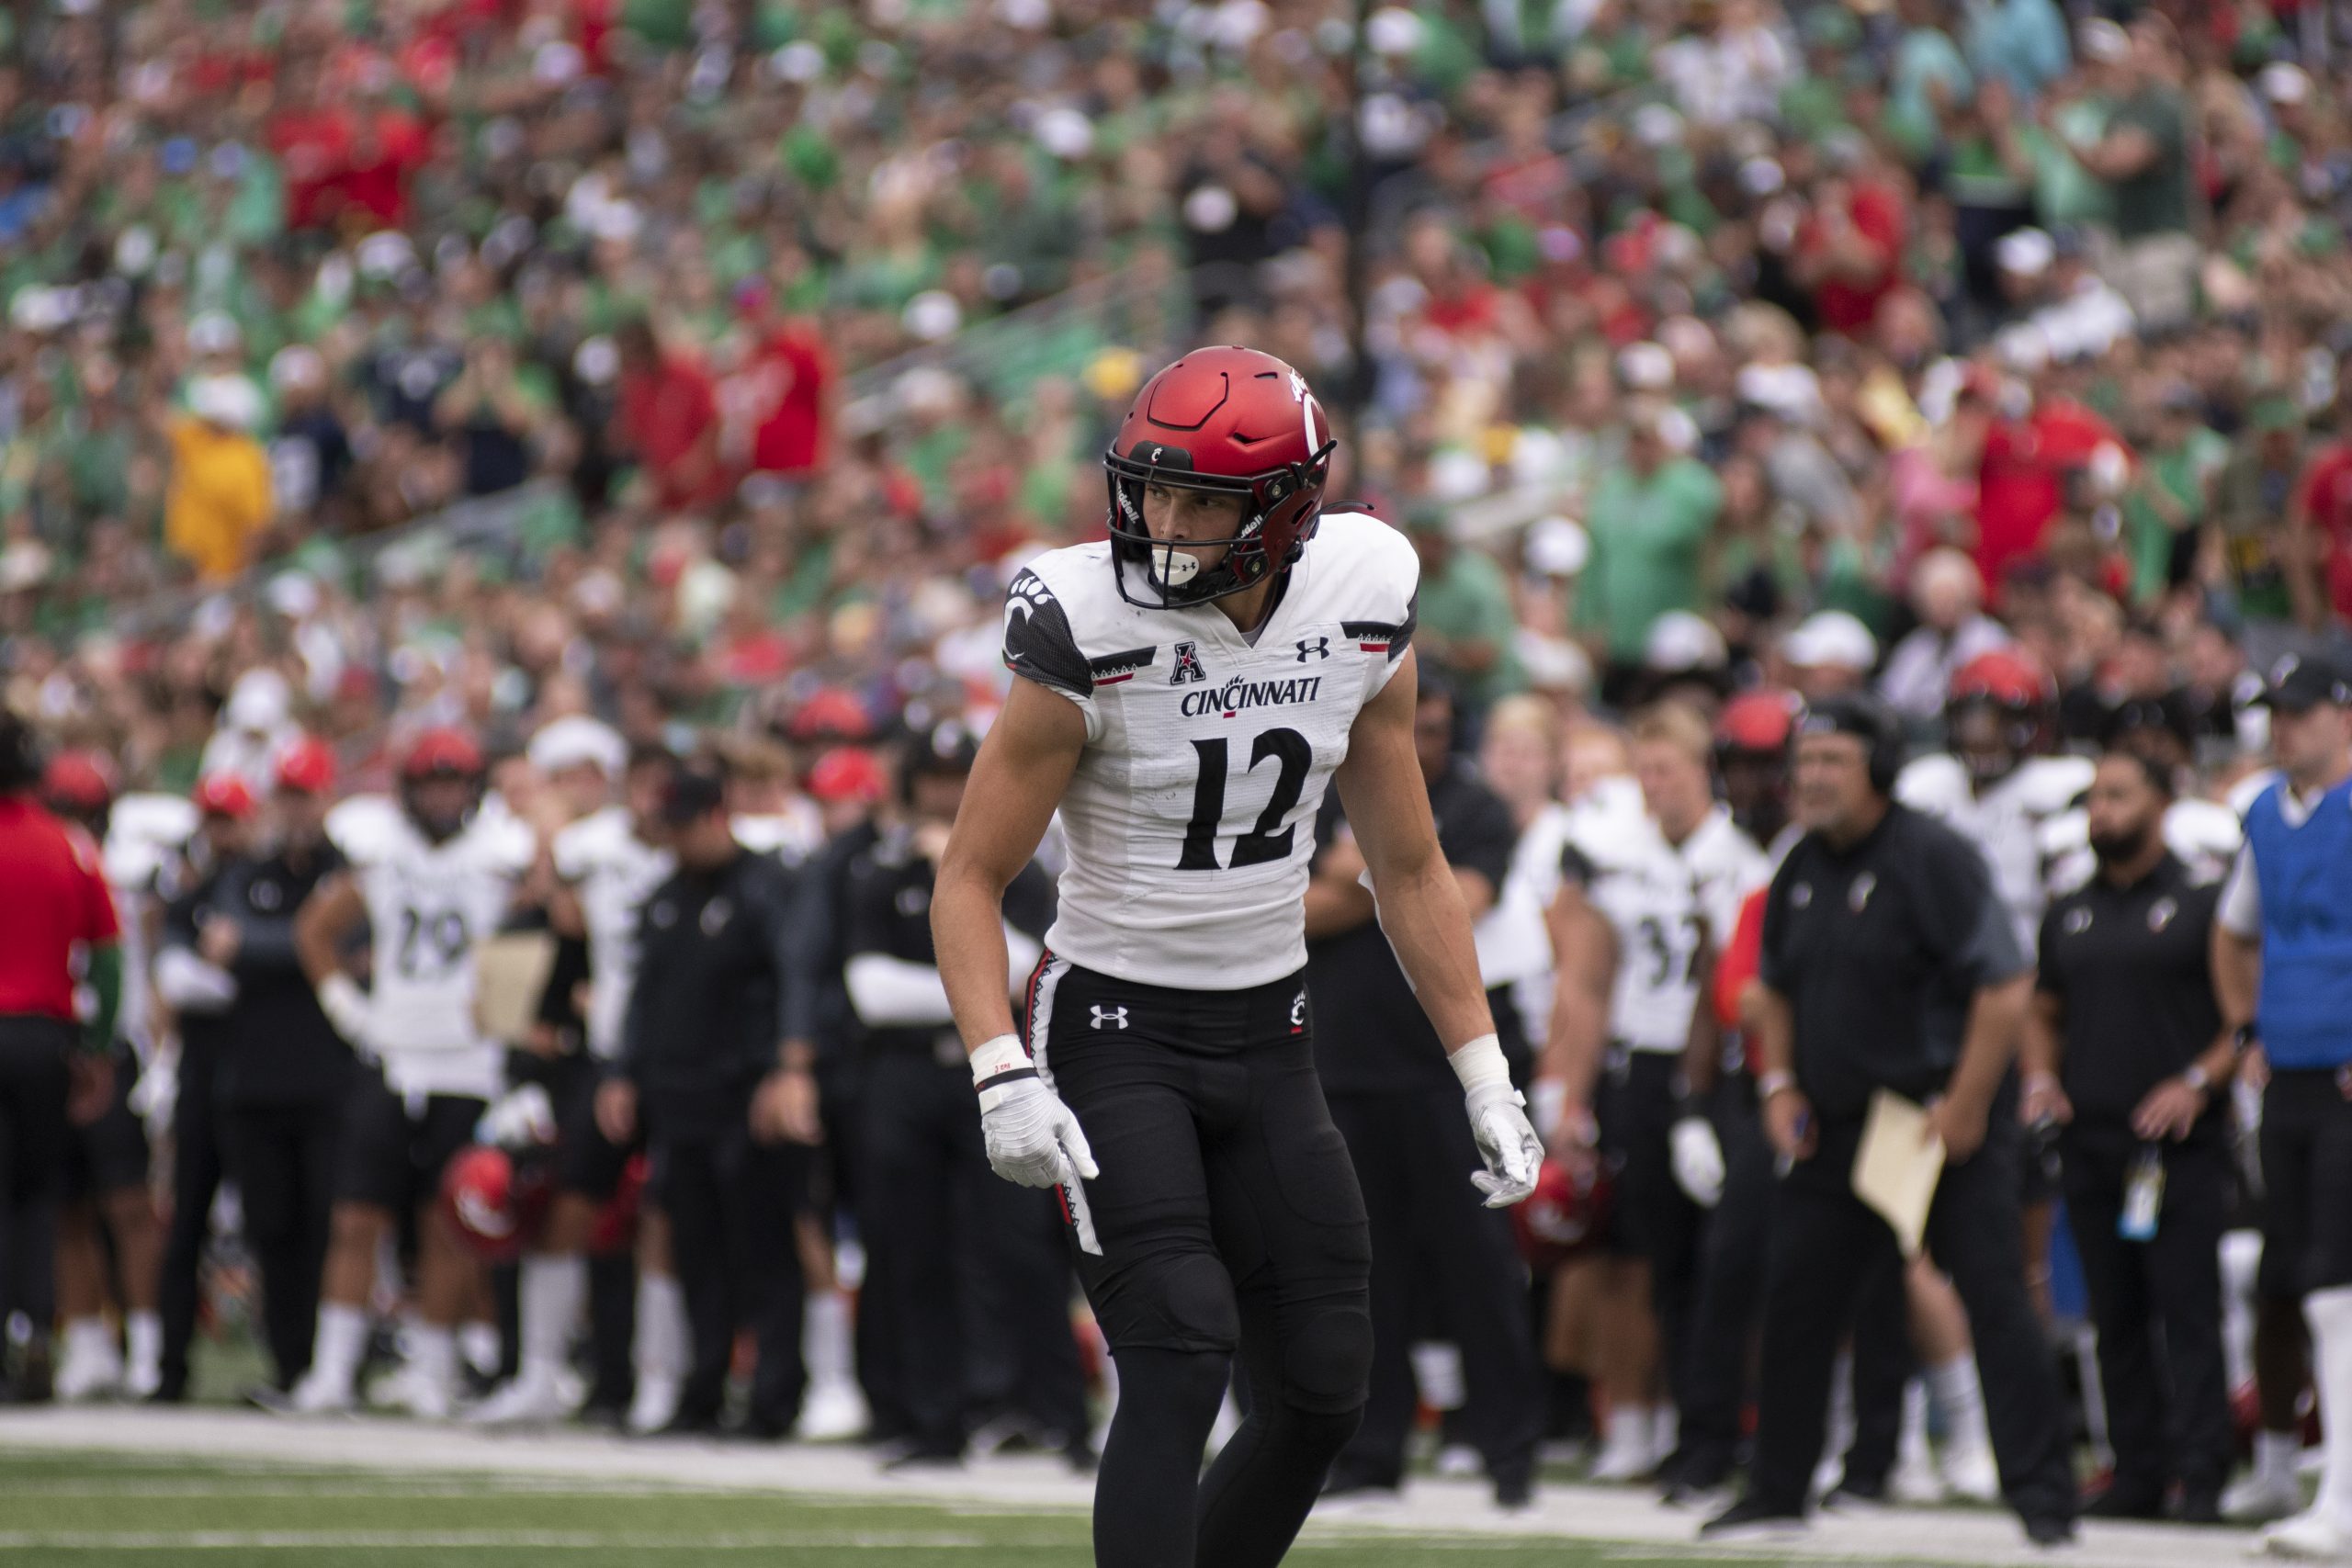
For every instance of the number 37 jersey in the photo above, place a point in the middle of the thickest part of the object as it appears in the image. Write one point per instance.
(1190, 820)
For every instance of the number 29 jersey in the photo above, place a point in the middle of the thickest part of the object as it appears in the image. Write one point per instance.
(429, 905)
(1190, 820)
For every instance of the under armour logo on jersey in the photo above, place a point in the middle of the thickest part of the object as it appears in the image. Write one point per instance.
(1188, 665)
(1318, 647)
(2076, 922)
(2161, 912)
(1109, 1017)
(1859, 893)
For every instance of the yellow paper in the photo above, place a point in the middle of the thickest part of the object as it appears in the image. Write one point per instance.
(1897, 1167)
(510, 975)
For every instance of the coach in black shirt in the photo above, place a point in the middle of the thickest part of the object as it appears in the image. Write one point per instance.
(1434, 1247)
(706, 1028)
(1889, 964)
(2126, 1047)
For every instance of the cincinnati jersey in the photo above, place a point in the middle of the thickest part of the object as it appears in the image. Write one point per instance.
(428, 906)
(1190, 820)
(1668, 904)
(614, 872)
(2005, 822)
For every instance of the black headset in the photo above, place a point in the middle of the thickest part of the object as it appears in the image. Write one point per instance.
(1866, 719)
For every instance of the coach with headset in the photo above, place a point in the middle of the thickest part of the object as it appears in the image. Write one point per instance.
(1889, 964)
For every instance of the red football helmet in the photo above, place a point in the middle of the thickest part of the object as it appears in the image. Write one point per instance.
(307, 766)
(434, 754)
(223, 795)
(2011, 686)
(494, 1199)
(79, 784)
(1757, 723)
(1235, 422)
(1562, 1216)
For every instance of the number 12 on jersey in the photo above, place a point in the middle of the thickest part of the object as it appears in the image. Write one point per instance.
(1270, 839)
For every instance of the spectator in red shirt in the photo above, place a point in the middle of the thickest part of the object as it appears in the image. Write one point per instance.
(793, 395)
(57, 903)
(2021, 485)
(2319, 520)
(669, 417)
(1849, 251)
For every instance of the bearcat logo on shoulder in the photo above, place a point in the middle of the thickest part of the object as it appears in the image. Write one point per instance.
(1237, 694)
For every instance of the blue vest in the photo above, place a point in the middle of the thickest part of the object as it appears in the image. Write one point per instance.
(2305, 876)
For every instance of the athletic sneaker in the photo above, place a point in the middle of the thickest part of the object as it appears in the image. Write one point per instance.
(832, 1412)
(428, 1399)
(88, 1371)
(1749, 1519)
(2311, 1536)
(656, 1403)
(318, 1394)
(2256, 1498)
(535, 1398)
(1971, 1474)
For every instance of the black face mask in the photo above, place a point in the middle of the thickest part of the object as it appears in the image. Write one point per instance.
(2119, 849)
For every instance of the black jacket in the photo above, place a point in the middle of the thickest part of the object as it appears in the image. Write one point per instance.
(276, 1048)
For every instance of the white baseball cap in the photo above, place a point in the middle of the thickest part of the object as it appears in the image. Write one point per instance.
(1831, 639)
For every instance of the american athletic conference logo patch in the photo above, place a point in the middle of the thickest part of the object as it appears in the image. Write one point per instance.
(1188, 665)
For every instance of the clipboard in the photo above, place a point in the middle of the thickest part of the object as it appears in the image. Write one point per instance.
(1897, 1165)
(510, 974)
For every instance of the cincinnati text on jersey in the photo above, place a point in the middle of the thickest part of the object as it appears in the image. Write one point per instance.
(1237, 695)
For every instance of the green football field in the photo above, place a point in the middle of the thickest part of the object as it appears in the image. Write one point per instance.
(83, 1510)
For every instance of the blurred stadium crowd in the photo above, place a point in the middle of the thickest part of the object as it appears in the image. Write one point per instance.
(706, 369)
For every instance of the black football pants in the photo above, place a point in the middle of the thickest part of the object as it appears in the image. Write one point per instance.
(730, 1200)
(34, 1076)
(282, 1158)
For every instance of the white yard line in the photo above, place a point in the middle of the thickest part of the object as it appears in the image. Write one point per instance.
(1964, 1538)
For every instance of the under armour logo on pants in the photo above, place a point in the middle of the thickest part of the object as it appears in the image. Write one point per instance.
(1109, 1017)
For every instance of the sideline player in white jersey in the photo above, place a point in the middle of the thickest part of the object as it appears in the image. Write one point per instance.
(1641, 910)
(1186, 691)
(606, 864)
(430, 882)
(1998, 786)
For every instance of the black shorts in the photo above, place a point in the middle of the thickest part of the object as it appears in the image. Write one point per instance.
(395, 1149)
(1227, 1208)
(587, 1162)
(2306, 1174)
(1634, 1111)
(110, 1154)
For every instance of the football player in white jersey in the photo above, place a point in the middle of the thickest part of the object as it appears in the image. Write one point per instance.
(1998, 785)
(430, 882)
(1186, 691)
(1640, 912)
(606, 864)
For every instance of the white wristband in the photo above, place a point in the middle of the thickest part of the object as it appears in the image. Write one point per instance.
(1480, 1063)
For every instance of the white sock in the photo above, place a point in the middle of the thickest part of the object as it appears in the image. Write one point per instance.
(86, 1339)
(826, 1342)
(1668, 1428)
(2275, 1454)
(1961, 1399)
(552, 1292)
(1840, 1426)
(2329, 1314)
(433, 1355)
(1437, 1373)
(661, 1347)
(1911, 1446)
(480, 1342)
(339, 1342)
(144, 1331)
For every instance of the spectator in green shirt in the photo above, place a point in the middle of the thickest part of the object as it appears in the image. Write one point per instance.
(1650, 520)
(2142, 158)
(1465, 624)
(2171, 494)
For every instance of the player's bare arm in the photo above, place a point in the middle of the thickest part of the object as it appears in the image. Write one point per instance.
(1585, 945)
(1421, 906)
(1423, 912)
(326, 919)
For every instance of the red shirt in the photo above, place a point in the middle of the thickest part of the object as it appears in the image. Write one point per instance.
(2021, 484)
(56, 897)
(1742, 960)
(2325, 496)
(669, 414)
(793, 375)
(1846, 305)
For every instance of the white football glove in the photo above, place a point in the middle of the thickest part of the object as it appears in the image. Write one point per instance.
(1031, 1137)
(1506, 1140)
(1698, 1160)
